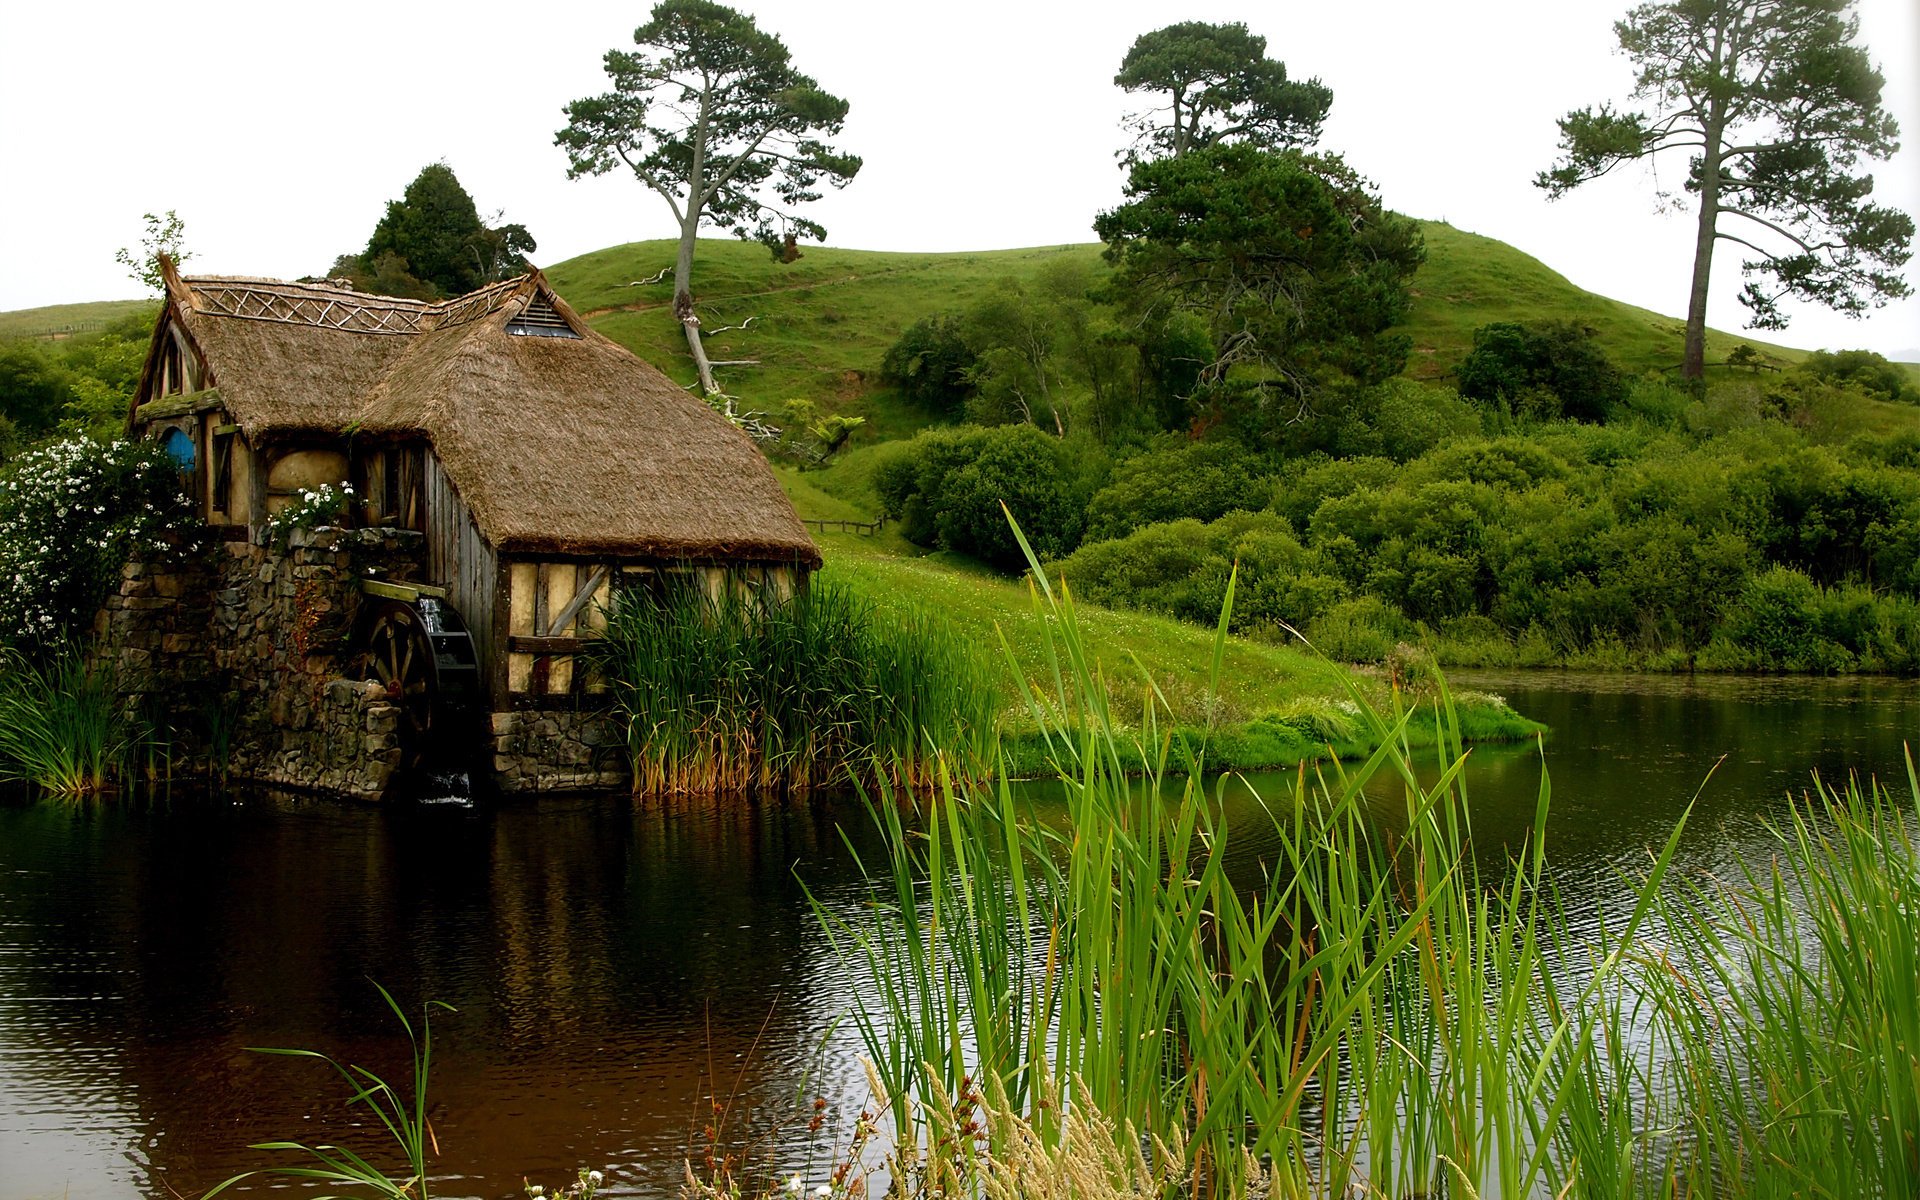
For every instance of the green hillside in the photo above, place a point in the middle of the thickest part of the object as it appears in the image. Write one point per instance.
(820, 326)
(64, 320)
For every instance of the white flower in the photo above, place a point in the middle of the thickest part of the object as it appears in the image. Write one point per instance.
(796, 1185)
(594, 1177)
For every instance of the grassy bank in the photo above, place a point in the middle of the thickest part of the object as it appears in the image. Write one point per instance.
(1270, 706)
(1377, 1015)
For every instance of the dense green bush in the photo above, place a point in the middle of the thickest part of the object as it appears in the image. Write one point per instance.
(1545, 370)
(931, 364)
(70, 515)
(1203, 480)
(1861, 369)
(947, 488)
(1607, 546)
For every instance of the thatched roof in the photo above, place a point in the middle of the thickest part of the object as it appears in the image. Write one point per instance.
(556, 444)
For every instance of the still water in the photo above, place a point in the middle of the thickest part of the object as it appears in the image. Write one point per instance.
(618, 967)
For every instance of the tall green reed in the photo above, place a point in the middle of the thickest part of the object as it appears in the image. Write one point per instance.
(1373, 1011)
(741, 695)
(63, 725)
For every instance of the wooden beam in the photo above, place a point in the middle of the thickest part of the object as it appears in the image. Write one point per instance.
(520, 644)
(184, 405)
(582, 594)
(409, 592)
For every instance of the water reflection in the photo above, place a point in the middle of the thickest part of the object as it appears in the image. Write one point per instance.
(609, 960)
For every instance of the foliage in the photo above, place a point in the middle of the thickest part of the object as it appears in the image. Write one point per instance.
(1776, 107)
(310, 508)
(63, 725)
(711, 115)
(1291, 263)
(78, 385)
(953, 489)
(759, 694)
(1752, 550)
(1219, 87)
(71, 513)
(1188, 479)
(1545, 370)
(165, 236)
(432, 243)
(1864, 370)
(930, 364)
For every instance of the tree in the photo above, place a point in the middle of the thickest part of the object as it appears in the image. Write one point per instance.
(930, 364)
(1219, 87)
(432, 242)
(711, 115)
(1288, 259)
(1778, 107)
(1562, 360)
(164, 235)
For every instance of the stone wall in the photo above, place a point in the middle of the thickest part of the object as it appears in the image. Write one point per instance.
(558, 750)
(244, 650)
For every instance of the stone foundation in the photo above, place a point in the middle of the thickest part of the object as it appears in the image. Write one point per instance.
(558, 750)
(242, 651)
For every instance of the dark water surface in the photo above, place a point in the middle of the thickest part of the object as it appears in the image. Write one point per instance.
(616, 964)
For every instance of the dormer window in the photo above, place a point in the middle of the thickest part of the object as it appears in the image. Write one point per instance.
(540, 319)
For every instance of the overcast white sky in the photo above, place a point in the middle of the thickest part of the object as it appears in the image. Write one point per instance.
(279, 131)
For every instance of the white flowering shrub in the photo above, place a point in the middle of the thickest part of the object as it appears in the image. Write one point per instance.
(71, 514)
(312, 508)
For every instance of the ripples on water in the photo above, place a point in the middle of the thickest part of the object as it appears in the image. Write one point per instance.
(610, 961)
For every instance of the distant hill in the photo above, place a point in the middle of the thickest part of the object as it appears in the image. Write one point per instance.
(67, 320)
(819, 326)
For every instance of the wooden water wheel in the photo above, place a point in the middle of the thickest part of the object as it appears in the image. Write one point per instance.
(419, 650)
(396, 654)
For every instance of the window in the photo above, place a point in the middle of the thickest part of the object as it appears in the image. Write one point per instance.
(221, 500)
(540, 319)
(179, 447)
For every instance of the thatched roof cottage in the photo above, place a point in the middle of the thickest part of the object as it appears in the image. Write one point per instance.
(544, 464)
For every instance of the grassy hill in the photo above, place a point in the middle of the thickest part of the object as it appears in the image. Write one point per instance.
(65, 320)
(820, 326)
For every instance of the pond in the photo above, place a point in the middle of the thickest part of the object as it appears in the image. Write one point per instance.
(616, 966)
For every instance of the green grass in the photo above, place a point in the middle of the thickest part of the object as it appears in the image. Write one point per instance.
(1272, 705)
(821, 690)
(821, 325)
(58, 319)
(63, 726)
(1378, 1014)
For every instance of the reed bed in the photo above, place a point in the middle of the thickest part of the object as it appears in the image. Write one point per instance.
(821, 690)
(63, 726)
(1377, 1014)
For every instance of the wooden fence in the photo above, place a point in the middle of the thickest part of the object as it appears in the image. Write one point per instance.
(868, 528)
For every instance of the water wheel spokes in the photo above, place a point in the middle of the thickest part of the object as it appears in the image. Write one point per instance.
(398, 658)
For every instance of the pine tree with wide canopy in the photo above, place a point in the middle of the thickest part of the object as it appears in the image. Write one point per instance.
(1779, 109)
(711, 115)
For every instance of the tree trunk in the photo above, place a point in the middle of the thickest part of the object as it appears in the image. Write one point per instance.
(683, 304)
(1693, 362)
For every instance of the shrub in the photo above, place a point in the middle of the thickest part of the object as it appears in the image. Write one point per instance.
(930, 364)
(948, 486)
(70, 515)
(1862, 369)
(1520, 363)
(1202, 480)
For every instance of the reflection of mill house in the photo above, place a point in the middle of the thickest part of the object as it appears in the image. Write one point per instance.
(513, 474)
